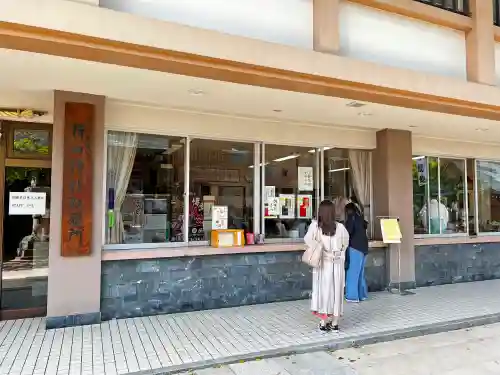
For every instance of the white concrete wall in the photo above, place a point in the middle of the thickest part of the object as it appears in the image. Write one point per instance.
(385, 38)
(444, 147)
(286, 22)
(139, 118)
(497, 62)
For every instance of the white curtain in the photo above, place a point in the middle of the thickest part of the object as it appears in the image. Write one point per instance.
(122, 148)
(360, 172)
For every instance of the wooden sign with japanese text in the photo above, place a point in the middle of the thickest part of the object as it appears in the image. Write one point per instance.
(77, 180)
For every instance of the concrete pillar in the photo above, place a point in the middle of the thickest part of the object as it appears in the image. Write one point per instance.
(74, 283)
(393, 197)
(326, 32)
(480, 43)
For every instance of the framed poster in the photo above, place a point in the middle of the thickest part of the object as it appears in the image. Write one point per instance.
(304, 204)
(305, 178)
(219, 217)
(287, 206)
(272, 208)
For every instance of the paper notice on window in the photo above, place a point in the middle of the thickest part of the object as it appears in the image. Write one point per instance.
(219, 217)
(304, 206)
(270, 192)
(287, 206)
(305, 179)
(272, 207)
(422, 171)
(27, 203)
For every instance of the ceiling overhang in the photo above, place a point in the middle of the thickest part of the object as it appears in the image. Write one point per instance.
(64, 44)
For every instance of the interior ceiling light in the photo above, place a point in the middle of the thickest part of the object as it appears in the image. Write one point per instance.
(355, 104)
(418, 157)
(287, 158)
(21, 113)
(338, 170)
(313, 151)
(196, 92)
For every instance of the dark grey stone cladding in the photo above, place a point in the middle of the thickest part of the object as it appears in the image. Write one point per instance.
(456, 263)
(132, 288)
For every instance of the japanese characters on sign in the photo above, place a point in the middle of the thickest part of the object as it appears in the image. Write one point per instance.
(305, 179)
(77, 180)
(27, 203)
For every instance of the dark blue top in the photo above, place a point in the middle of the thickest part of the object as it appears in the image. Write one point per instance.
(356, 226)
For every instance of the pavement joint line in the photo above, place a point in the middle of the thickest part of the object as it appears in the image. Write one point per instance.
(331, 344)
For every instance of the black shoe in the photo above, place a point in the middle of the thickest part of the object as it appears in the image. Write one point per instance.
(325, 327)
(335, 328)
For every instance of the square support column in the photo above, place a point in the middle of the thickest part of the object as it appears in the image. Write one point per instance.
(326, 31)
(393, 197)
(480, 43)
(74, 285)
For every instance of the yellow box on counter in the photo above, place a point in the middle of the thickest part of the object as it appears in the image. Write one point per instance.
(227, 238)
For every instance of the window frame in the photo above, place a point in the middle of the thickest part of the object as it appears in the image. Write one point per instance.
(476, 197)
(258, 190)
(466, 197)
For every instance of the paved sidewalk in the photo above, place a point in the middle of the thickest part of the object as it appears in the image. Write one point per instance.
(464, 352)
(168, 343)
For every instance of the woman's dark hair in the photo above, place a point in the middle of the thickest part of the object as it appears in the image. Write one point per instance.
(326, 218)
(352, 209)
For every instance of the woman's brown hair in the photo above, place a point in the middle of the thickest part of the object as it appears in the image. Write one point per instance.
(326, 218)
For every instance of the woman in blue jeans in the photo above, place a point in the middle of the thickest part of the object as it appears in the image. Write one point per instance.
(356, 289)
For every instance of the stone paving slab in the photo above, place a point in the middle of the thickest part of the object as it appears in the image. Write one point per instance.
(174, 343)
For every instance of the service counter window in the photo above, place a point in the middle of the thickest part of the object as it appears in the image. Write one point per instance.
(347, 177)
(145, 188)
(488, 196)
(220, 173)
(290, 190)
(440, 196)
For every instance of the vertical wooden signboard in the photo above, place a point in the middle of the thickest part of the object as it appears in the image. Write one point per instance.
(77, 180)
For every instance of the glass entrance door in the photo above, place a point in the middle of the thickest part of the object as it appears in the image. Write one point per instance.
(25, 244)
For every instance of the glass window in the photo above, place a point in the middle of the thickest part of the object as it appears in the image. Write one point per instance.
(290, 190)
(220, 173)
(145, 188)
(488, 196)
(439, 195)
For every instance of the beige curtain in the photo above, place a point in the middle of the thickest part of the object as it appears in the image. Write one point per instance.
(360, 172)
(122, 148)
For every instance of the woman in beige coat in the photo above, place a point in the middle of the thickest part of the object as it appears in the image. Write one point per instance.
(329, 277)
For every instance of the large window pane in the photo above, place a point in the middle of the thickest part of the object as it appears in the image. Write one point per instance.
(221, 173)
(452, 178)
(289, 194)
(144, 188)
(488, 186)
(347, 177)
(427, 210)
(439, 195)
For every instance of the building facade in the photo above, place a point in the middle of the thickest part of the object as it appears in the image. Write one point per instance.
(124, 122)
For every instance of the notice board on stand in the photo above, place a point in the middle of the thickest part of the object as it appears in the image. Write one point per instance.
(77, 180)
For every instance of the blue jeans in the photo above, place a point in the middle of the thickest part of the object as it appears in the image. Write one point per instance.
(356, 288)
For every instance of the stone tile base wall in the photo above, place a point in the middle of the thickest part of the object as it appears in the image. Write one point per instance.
(455, 263)
(132, 288)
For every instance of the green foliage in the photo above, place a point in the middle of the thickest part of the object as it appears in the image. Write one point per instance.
(29, 142)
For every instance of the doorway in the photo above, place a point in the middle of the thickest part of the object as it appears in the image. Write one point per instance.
(25, 220)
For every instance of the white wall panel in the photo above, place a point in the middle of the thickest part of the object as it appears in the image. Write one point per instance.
(497, 62)
(286, 22)
(384, 38)
(444, 147)
(137, 118)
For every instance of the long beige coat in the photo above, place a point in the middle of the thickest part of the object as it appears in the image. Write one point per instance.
(329, 279)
